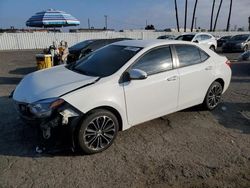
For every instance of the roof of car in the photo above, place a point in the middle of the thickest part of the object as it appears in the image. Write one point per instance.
(148, 43)
(196, 34)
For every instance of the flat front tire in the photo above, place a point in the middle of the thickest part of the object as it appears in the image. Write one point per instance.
(97, 131)
(213, 96)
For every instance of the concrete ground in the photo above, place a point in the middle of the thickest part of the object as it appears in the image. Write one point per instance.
(191, 148)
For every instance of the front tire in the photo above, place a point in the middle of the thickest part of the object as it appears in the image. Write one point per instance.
(213, 96)
(97, 131)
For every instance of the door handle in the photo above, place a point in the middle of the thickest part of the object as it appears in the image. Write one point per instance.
(209, 68)
(173, 78)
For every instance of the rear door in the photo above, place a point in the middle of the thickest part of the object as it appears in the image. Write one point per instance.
(157, 95)
(196, 71)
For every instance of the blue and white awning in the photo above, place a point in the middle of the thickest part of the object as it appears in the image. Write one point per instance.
(52, 18)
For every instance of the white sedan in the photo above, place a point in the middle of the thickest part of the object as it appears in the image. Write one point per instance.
(119, 86)
(205, 39)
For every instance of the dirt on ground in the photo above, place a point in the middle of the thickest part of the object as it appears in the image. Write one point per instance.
(192, 148)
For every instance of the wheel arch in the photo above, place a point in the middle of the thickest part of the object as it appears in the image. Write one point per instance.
(212, 46)
(221, 81)
(114, 111)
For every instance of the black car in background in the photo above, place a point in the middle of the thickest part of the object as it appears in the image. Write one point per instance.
(83, 48)
(237, 43)
(167, 37)
(222, 40)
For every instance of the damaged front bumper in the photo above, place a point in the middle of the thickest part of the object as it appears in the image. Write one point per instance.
(64, 117)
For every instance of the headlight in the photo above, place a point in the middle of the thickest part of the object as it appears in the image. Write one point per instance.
(45, 107)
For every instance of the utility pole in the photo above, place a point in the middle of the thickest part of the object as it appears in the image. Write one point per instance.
(176, 14)
(249, 23)
(195, 22)
(229, 16)
(88, 23)
(106, 21)
(185, 22)
(212, 16)
(195, 5)
(218, 12)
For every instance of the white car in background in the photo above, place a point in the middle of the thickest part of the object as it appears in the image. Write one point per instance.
(204, 39)
(119, 86)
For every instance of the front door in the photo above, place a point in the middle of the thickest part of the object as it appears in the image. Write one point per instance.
(156, 95)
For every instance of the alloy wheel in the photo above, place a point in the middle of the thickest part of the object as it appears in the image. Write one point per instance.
(214, 96)
(99, 133)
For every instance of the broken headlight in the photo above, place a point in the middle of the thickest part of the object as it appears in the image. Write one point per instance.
(44, 108)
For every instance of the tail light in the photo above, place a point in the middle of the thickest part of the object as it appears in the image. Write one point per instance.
(228, 63)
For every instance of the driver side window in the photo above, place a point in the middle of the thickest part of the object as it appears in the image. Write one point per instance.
(155, 61)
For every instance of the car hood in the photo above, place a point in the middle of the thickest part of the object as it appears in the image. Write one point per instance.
(49, 83)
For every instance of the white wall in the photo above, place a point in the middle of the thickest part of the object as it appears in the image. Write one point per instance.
(21, 41)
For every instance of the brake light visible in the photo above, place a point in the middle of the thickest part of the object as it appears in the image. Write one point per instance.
(228, 63)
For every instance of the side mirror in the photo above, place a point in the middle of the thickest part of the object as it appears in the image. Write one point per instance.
(196, 41)
(136, 74)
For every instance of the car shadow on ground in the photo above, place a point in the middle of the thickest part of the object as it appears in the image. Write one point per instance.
(240, 80)
(241, 69)
(230, 115)
(9, 80)
(234, 116)
(23, 71)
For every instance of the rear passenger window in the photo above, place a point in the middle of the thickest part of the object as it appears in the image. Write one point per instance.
(205, 37)
(190, 55)
(155, 61)
(204, 56)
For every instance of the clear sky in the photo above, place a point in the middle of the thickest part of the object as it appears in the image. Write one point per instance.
(124, 14)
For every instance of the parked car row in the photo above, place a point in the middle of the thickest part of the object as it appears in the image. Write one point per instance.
(228, 43)
(237, 43)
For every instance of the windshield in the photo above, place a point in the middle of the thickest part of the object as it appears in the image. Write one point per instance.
(81, 45)
(225, 38)
(240, 37)
(105, 61)
(185, 37)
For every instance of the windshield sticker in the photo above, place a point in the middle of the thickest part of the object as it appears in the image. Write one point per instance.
(134, 49)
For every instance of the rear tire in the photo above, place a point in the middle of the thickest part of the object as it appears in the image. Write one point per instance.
(97, 131)
(213, 96)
